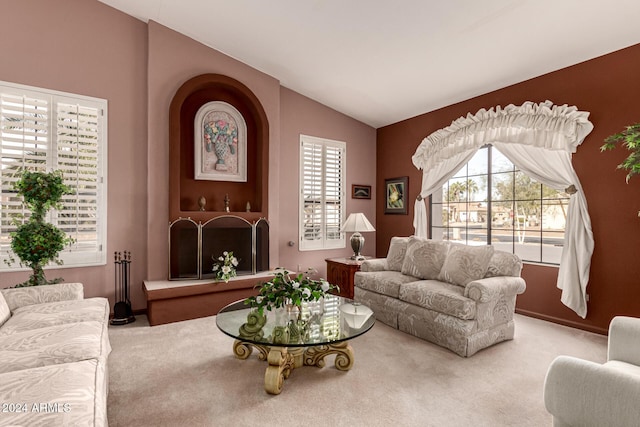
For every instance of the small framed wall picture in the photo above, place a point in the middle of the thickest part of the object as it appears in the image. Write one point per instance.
(360, 191)
(396, 190)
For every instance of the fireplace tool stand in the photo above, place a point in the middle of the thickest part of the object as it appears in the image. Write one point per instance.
(122, 313)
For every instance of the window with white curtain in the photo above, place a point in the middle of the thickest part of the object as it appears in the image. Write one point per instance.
(490, 201)
(322, 204)
(44, 130)
(540, 140)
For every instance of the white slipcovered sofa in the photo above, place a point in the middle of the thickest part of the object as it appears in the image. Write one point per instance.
(457, 296)
(53, 356)
(586, 394)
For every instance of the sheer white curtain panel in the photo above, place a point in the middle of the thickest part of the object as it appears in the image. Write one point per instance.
(537, 138)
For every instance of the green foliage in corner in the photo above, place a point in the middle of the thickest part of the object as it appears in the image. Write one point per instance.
(37, 242)
(630, 139)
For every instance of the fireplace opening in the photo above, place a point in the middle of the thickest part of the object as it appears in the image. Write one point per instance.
(194, 247)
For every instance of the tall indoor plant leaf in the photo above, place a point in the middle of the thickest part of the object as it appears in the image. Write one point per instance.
(630, 139)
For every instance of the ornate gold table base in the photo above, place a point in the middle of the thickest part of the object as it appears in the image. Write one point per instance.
(282, 360)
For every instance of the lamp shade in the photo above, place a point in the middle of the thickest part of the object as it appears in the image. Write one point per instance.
(357, 222)
(355, 314)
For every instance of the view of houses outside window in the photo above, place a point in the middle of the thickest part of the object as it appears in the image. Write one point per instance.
(490, 201)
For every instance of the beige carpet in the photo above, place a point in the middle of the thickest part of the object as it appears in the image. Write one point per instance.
(185, 374)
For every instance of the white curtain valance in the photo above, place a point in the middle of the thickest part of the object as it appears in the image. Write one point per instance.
(537, 138)
(555, 127)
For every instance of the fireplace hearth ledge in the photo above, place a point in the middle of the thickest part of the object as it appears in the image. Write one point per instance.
(176, 300)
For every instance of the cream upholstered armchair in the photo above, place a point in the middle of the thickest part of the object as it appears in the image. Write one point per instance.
(582, 393)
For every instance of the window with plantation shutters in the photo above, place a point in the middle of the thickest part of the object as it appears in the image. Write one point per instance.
(43, 130)
(322, 165)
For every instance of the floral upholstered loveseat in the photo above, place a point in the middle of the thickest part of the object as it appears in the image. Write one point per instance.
(53, 356)
(457, 296)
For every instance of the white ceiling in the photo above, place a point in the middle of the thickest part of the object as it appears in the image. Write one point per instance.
(385, 61)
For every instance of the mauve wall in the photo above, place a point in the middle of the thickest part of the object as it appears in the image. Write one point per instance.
(60, 45)
(99, 51)
(174, 59)
(301, 115)
(608, 88)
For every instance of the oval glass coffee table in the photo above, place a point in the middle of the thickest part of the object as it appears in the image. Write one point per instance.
(289, 338)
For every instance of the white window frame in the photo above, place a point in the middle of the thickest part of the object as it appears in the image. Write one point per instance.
(79, 254)
(320, 164)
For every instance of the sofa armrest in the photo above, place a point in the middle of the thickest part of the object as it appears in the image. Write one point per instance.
(624, 340)
(19, 297)
(375, 264)
(582, 393)
(490, 288)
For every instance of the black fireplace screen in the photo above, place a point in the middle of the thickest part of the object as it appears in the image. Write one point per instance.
(193, 247)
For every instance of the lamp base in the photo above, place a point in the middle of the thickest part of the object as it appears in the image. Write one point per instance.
(357, 243)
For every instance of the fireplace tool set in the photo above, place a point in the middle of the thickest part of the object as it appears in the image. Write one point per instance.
(122, 313)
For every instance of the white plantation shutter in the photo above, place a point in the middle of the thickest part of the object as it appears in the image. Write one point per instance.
(322, 164)
(312, 177)
(77, 149)
(24, 129)
(46, 130)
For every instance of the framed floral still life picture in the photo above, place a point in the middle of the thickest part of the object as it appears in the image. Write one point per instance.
(396, 193)
(220, 143)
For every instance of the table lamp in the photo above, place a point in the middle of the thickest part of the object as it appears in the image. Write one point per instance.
(357, 223)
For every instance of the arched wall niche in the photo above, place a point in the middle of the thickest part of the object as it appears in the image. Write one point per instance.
(184, 189)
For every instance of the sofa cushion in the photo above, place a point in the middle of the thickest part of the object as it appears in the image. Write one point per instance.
(465, 263)
(396, 253)
(504, 264)
(374, 264)
(69, 394)
(71, 342)
(439, 296)
(5, 313)
(424, 258)
(56, 313)
(28, 295)
(382, 282)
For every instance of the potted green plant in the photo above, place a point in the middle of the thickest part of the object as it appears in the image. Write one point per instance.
(285, 290)
(630, 139)
(37, 242)
(285, 294)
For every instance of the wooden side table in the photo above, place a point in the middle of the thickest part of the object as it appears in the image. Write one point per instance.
(341, 272)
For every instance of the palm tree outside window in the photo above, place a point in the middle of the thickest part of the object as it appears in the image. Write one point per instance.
(490, 201)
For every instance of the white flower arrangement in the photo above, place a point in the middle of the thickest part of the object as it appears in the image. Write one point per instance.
(225, 266)
(284, 289)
